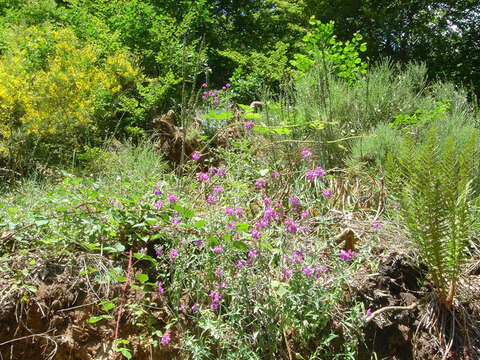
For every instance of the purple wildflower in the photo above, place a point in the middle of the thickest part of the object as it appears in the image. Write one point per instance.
(293, 200)
(291, 226)
(204, 85)
(305, 229)
(159, 205)
(270, 213)
(203, 176)
(217, 189)
(239, 212)
(248, 124)
(304, 214)
(195, 307)
(318, 270)
(195, 156)
(376, 225)
(267, 201)
(290, 260)
(198, 242)
(347, 255)
(143, 250)
(161, 290)
(221, 171)
(327, 193)
(165, 339)
(158, 251)
(286, 274)
(255, 234)
(211, 199)
(260, 183)
(308, 270)
(175, 220)
(275, 175)
(157, 188)
(218, 249)
(172, 198)
(310, 175)
(298, 256)
(319, 172)
(306, 153)
(173, 254)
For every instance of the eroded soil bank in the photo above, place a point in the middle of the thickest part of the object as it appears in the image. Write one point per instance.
(54, 324)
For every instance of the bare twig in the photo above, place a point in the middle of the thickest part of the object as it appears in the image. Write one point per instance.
(122, 300)
(44, 334)
(389, 308)
(78, 306)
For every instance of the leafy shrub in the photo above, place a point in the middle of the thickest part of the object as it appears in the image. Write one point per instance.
(256, 71)
(51, 88)
(323, 49)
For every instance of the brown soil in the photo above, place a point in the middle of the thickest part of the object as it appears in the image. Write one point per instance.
(401, 335)
(53, 324)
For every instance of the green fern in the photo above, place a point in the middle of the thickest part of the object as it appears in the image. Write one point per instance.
(431, 181)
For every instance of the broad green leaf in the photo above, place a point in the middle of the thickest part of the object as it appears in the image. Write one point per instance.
(239, 245)
(200, 224)
(142, 278)
(95, 319)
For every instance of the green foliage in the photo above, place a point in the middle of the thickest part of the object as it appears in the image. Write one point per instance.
(421, 118)
(432, 184)
(374, 146)
(323, 49)
(256, 71)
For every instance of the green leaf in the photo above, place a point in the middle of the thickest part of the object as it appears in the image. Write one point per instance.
(239, 245)
(213, 241)
(242, 227)
(42, 222)
(252, 116)
(142, 278)
(125, 352)
(108, 306)
(265, 245)
(200, 224)
(95, 319)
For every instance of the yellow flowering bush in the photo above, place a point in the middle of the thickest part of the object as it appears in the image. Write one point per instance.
(50, 86)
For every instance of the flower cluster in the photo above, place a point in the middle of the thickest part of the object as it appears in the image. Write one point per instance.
(214, 96)
(216, 297)
(315, 173)
(347, 255)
